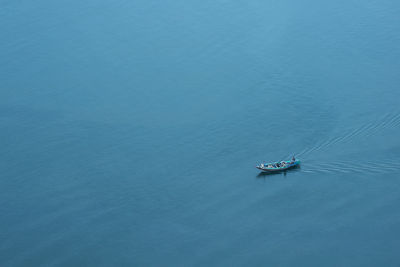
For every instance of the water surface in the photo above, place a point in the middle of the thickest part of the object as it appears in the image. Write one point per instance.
(130, 131)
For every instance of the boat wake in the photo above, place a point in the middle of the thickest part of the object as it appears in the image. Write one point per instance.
(387, 166)
(388, 121)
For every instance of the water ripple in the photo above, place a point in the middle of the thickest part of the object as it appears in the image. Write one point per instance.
(362, 167)
(388, 121)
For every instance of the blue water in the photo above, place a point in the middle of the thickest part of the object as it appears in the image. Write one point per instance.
(129, 132)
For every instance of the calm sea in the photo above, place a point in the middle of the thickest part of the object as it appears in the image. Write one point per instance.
(129, 132)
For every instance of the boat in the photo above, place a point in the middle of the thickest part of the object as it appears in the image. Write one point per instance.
(278, 166)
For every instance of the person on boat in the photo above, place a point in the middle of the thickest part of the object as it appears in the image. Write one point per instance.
(293, 159)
